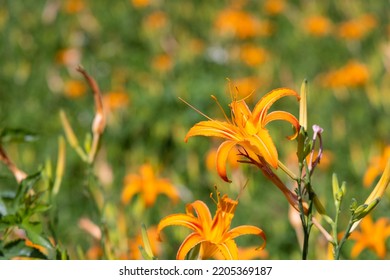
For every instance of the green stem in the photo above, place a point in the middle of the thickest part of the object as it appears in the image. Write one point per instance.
(342, 241)
(99, 212)
(305, 219)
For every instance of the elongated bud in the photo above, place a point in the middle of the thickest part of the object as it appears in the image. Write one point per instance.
(363, 210)
(376, 195)
(60, 165)
(381, 185)
(72, 139)
(303, 106)
(146, 251)
(336, 187)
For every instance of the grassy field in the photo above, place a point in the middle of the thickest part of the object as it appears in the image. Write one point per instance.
(144, 56)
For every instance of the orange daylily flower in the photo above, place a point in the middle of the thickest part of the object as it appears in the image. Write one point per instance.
(377, 165)
(156, 20)
(356, 29)
(274, 7)
(232, 160)
(238, 23)
(252, 55)
(247, 85)
(115, 100)
(353, 74)
(140, 3)
(148, 185)
(74, 6)
(247, 129)
(247, 253)
(379, 190)
(162, 63)
(75, 88)
(213, 234)
(372, 236)
(317, 25)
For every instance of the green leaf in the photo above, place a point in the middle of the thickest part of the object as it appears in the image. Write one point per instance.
(61, 254)
(3, 208)
(18, 248)
(9, 220)
(33, 232)
(17, 135)
(26, 185)
(304, 145)
(42, 208)
(145, 255)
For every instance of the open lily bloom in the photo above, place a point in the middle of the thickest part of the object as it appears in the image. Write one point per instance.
(213, 234)
(148, 185)
(373, 236)
(247, 129)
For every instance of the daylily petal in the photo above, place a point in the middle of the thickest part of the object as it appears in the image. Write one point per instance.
(165, 187)
(213, 128)
(284, 116)
(241, 112)
(208, 250)
(202, 212)
(190, 242)
(242, 230)
(229, 250)
(261, 108)
(149, 193)
(187, 221)
(222, 156)
(148, 185)
(266, 148)
(357, 249)
(380, 250)
(372, 235)
(132, 187)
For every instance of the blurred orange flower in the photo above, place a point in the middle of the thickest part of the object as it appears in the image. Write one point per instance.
(241, 24)
(252, 55)
(246, 86)
(213, 234)
(377, 165)
(247, 129)
(115, 100)
(162, 63)
(317, 25)
(74, 88)
(356, 29)
(352, 74)
(372, 236)
(156, 20)
(70, 57)
(148, 185)
(140, 3)
(326, 159)
(274, 7)
(74, 6)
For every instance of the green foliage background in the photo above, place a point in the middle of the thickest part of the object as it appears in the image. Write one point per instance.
(117, 49)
